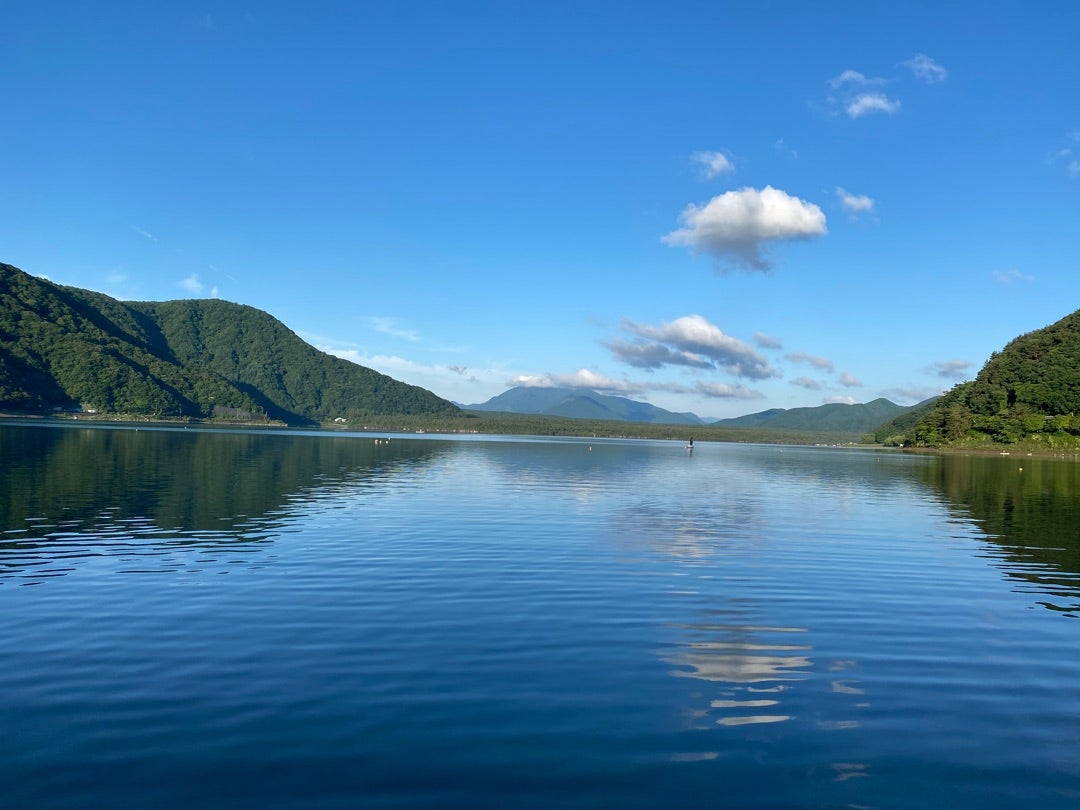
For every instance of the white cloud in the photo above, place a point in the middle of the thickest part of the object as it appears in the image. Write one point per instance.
(738, 225)
(822, 363)
(192, 284)
(850, 381)
(841, 400)
(583, 378)
(143, 233)
(853, 77)
(926, 69)
(592, 381)
(807, 383)
(214, 292)
(855, 204)
(725, 391)
(389, 326)
(714, 163)
(951, 369)
(866, 103)
(766, 341)
(690, 341)
(1009, 276)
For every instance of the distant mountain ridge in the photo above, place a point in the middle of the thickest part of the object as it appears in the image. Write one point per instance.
(584, 404)
(833, 417)
(63, 347)
(576, 403)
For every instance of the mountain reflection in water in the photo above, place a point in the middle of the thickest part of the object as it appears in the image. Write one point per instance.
(1028, 508)
(159, 500)
(530, 623)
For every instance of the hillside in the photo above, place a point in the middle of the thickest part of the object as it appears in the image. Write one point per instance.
(575, 403)
(1028, 392)
(62, 347)
(838, 417)
(890, 432)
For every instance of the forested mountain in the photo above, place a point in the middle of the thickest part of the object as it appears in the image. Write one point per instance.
(890, 432)
(576, 403)
(1029, 391)
(858, 418)
(62, 347)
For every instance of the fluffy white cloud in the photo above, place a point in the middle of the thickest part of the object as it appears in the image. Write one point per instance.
(841, 401)
(583, 378)
(807, 383)
(926, 69)
(866, 103)
(714, 163)
(855, 204)
(951, 369)
(853, 94)
(690, 341)
(738, 225)
(822, 363)
(850, 381)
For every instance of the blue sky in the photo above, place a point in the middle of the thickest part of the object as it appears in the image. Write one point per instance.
(713, 207)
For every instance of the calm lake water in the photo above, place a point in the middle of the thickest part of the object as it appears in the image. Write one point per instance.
(203, 619)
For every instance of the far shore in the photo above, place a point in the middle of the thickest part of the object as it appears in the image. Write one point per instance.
(531, 425)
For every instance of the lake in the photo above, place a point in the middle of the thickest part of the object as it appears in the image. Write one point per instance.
(282, 619)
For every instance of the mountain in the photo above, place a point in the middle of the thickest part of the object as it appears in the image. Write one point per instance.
(63, 347)
(581, 404)
(748, 420)
(1029, 391)
(892, 431)
(576, 403)
(834, 417)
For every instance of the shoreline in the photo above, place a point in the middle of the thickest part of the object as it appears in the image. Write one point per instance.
(629, 430)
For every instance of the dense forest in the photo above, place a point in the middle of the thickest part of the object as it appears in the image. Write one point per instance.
(858, 418)
(63, 348)
(1027, 393)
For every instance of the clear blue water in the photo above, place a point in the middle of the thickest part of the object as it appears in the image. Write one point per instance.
(196, 618)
